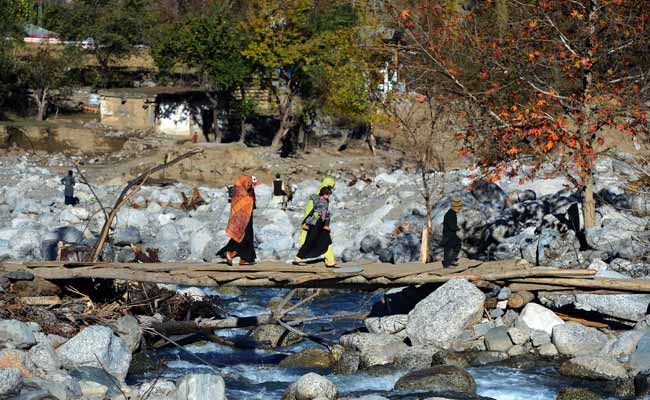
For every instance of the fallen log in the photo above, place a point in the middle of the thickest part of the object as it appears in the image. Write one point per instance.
(520, 299)
(582, 321)
(627, 285)
(532, 287)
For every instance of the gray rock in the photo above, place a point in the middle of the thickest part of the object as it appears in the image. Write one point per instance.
(200, 387)
(44, 357)
(548, 350)
(490, 194)
(381, 355)
(349, 363)
(159, 389)
(593, 367)
(497, 339)
(128, 329)
(504, 294)
(275, 336)
(482, 358)
(348, 254)
(97, 346)
(577, 394)
(640, 359)
(370, 244)
(364, 342)
(414, 358)
(16, 333)
(626, 343)
(516, 350)
(539, 318)
(390, 324)
(642, 384)
(518, 336)
(127, 236)
(445, 313)
(311, 387)
(93, 390)
(497, 313)
(574, 339)
(11, 381)
(539, 338)
(97, 375)
(631, 307)
(552, 245)
(483, 328)
(442, 379)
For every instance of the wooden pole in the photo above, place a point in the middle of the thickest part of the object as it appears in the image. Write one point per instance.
(520, 299)
(424, 248)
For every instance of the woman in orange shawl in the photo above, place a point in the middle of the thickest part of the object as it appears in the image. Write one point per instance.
(240, 223)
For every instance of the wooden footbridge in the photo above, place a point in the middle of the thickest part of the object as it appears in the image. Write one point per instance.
(520, 276)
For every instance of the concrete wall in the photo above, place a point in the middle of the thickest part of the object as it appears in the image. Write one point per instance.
(177, 120)
(127, 113)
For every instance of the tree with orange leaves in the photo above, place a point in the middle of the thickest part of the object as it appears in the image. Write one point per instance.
(542, 79)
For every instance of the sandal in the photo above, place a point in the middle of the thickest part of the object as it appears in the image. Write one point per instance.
(244, 262)
(230, 255)
(335, 265)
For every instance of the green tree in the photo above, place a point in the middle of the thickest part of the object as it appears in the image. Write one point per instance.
(13, 14)
(116, 27)
(44, 71)
(209, 42)
(310, 54)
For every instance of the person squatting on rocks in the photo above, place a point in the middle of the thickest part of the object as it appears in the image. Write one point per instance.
(240, 223)
(315, 237)
(450, 239)
(68, 191)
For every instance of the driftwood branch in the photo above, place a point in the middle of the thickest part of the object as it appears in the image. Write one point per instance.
(129, 191)
(92, 190)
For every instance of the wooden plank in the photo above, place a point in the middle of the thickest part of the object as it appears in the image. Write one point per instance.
(631, 285)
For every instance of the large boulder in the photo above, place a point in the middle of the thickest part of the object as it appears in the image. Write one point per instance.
(275, 336)
(443, 315)
(311, 387)
(362, 342)
(97, 346)
(308, 358)
(497, 339)
(442, 380)
(632, 307)
(640, 359)
(17, 334)
(490, 194)
(574, 339)
(370, 244)
(539, 318)
(129, 329)
(200, 387)
(593, 367)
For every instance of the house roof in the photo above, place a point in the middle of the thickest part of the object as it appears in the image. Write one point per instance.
(148, 92)
(33, 30)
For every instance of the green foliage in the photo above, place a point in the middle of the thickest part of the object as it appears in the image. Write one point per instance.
(208, 42)
(13, 14)
(116, 26)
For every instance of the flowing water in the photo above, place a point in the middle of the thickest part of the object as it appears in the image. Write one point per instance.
(254, 374)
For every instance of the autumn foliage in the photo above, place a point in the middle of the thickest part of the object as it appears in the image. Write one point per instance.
(543, 80)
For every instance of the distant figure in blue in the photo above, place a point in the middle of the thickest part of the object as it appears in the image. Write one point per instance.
(68, 192)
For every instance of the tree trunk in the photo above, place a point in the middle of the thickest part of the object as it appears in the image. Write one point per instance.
(284, 98)
(41, 103)
(218, 134)
(242, 126)
(588, 203)
(285, 123)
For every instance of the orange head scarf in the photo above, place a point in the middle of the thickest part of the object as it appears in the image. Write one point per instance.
(241, 208)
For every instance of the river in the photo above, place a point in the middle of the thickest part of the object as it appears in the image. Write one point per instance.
(254, 374)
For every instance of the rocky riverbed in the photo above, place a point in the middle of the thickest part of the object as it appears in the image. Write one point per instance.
(451, 341)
